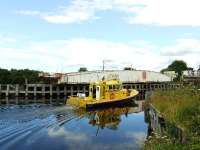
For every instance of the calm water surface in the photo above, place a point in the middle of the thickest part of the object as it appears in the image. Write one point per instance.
(62, 127)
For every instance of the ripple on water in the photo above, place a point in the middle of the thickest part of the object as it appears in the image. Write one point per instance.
(61, 127)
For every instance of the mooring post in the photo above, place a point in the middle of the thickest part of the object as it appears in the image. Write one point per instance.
(17, 90)
(84, 89)
(35, 90)
(43, 93)
(26, 90)
(51, 90)
(43, 90)
(7, 90)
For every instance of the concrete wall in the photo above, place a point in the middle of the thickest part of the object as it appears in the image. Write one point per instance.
(124, 75)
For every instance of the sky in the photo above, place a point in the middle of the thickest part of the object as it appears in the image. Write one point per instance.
(64, 35)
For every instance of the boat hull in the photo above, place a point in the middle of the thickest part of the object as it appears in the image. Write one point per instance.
(90, 103)
(110, 103)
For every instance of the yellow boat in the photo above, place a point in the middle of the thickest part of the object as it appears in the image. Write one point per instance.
(103, 93)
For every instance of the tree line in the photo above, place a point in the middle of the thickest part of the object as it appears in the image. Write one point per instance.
(21, 76)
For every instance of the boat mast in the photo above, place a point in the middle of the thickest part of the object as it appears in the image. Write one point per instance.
(104, 61)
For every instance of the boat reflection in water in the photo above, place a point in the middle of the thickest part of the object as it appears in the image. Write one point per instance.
(109, 117)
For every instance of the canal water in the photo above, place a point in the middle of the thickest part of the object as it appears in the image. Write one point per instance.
(41, 126)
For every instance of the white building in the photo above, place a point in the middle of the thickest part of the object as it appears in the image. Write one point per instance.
(124, 76)
(171, 74)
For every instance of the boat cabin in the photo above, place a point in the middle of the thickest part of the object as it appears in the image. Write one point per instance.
(105, 89)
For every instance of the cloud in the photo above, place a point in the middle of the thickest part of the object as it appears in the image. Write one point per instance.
(83, 10)
(6, 39)
(68, 135)
(168, 13)
(82, 140)
(151, 12)
(26, 58)
(184, 49)
(77, 11)
(138, 137)
(28, 12)
(69, 55)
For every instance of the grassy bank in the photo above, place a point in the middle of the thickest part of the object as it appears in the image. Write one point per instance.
(181, 108)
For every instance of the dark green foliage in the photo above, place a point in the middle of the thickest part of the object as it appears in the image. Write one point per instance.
(178, 66)
(14, 76)
(128, 68)
(82, 69)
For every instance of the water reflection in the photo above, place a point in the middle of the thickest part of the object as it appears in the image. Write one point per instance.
(50, 127)
(156, 123)
(109, 117)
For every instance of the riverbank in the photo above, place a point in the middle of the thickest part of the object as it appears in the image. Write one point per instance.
(180, 108)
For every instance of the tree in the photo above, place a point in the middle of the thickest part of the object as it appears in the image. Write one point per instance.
(14, 76)
(178, 66)
(82, 69)
(128, 68)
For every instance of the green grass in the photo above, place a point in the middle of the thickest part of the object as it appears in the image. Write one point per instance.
(180, 107)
